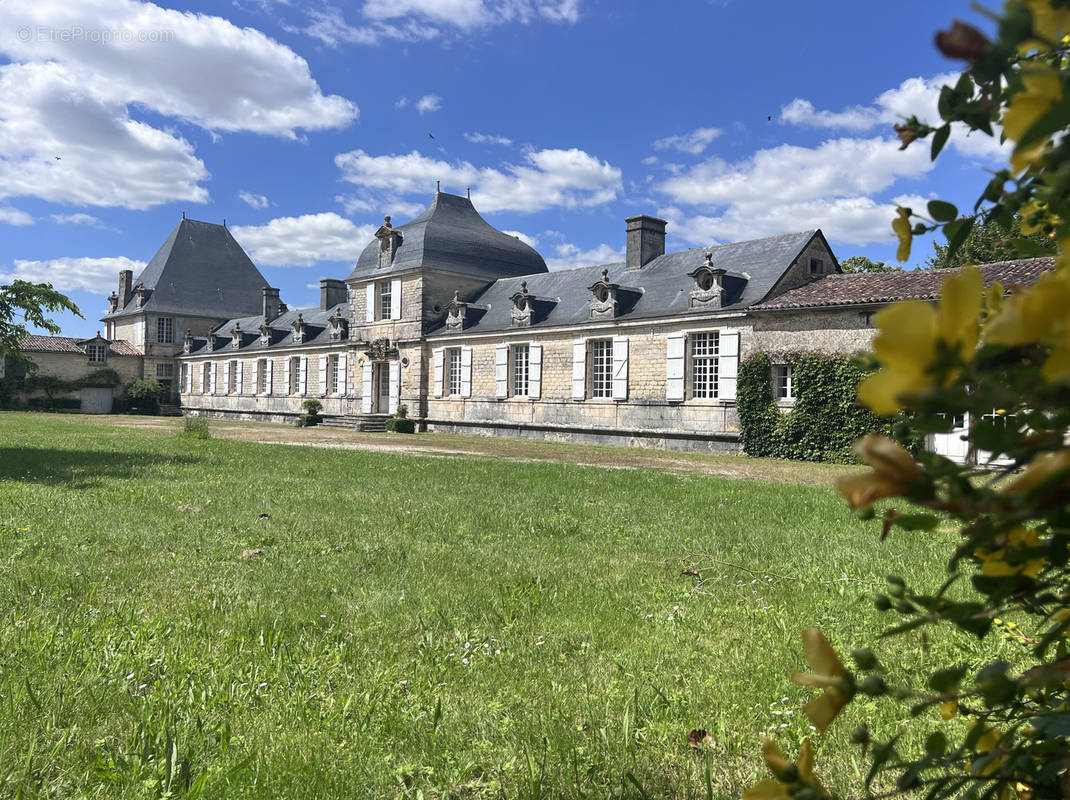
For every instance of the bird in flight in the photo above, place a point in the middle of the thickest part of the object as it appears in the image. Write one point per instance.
(430, 136)
(56, 157)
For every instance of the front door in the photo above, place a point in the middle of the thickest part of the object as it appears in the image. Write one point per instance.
(382, 395)
(955, 444)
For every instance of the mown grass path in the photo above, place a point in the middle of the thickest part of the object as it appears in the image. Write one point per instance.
(449, 626)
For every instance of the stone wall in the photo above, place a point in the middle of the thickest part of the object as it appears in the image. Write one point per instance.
(74, 366)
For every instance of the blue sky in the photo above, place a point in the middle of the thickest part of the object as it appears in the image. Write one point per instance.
(302, 124)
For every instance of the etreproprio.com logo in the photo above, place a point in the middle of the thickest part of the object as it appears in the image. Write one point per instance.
(27, 33)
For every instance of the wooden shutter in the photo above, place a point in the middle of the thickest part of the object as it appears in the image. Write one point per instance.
(579, 369)
(270, 364)
(501, 370)
(395, 386)
(438, 356)
(213, 370)
(302, 376)
(674, 366)
(466, 372)
(727, 364)
(535, 371)
(369, 293)
(395, 298)
(366, 389)
(620, 367)
(343, 378)
(323, 376)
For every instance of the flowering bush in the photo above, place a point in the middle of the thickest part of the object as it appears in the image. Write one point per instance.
(1002, 356)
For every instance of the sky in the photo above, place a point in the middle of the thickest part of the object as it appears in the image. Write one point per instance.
(303, 123)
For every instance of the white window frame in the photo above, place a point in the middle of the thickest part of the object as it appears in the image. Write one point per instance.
(600, 368)
(206, 377)
(453, 372)
(703, 364)
(520, 370)
(262, 384)
(333, 375)
(168, 370)
(782, 377)
(96, 353)
(165, 330)
(384, 300)
(234, 378)
(293, 377)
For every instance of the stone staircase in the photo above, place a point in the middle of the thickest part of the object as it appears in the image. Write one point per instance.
(365, 423)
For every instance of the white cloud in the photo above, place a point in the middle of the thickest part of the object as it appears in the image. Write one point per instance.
(429, 103)
(254, 200)
(9, 215)
(693, 143)
(569, 255)
(77, 219)
(401, 102)
(487, 138)
(304, 241)
(373, 204)
(69, 274)
(530, 241)
(546, 179)
(71, 97)
(802, 112)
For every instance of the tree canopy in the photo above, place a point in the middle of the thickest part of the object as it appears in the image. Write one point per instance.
(25, 305)
(987, 242)
(856, 264)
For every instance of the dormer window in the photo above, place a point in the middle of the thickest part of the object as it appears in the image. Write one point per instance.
(113, 303)
(97, 353)
(265, 333)
(299, 329)
(235, 336)
(165, 330)
(709, 285)
(817, 266)
(521, 311)
(338, 326)
(187, 341)
(213, 340)
(389, 242)
(141, 295)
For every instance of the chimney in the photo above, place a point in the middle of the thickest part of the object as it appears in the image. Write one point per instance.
(646, 240)
(332, 292)
(126, 278)
(271, 306)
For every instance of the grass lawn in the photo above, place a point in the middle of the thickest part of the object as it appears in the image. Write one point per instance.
(441, 627)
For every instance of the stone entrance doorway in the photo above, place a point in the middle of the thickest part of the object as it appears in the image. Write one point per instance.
(382, 390)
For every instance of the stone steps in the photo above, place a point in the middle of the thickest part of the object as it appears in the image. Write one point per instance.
(365, 423)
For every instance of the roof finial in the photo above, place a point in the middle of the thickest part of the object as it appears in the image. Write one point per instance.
(709, 259)
(524, 286)
(469, 191)
(605, 275)
(183, 215)
(438, 186)
(386, 221)
(224, 222)
(456, 296)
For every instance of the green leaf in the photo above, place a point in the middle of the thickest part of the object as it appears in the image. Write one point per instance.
(936, 743)
(940, 139)
(906, 626)
(1056, 119)
(944, 680)
(1030, 247)
(917, 522)
(956, 233)
(941, 211)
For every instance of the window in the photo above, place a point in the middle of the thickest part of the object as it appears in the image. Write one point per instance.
(97, 353)
(295, 374)
(867, 318)
(601, 367)
(783, 382)
(520, 370)
(184, 377)
(165, 330)
(165, 371)
(206, 377)
(232, 382)
(262, 376)
(385, 299)
(704, 352)
(453, 370)
(332, 374)
(816, 267)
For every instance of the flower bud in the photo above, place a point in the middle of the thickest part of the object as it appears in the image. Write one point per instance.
(963, 41)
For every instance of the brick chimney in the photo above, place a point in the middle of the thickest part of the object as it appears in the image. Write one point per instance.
(645, 240)
(126, 279)
(332, 292)
(271, 306)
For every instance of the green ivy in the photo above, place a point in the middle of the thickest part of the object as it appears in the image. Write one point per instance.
(824, 420)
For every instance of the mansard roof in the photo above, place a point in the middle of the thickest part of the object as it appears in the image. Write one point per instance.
(317, 331)
(450, 235)
(887, 287)
(752, 269)
(68, 344)
(200, 270)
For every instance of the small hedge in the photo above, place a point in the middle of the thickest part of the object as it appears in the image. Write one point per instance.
(825, 418)
(309, 420)
(400, 425)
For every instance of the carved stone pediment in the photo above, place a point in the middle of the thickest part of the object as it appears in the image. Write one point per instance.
(520, 313)
(603, 303)
(235, 336)
(213, 340)
(382, 349)
(187, 341)
(339, 326)
(299, 329)
(265, 333)
(389, 242)
(709, 287)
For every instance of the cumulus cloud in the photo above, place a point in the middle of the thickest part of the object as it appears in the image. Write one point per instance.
(304, 241)
(254, 200)
(546, 178)
(530, 241)
(71, 97)
(693, 143)
(429, 103)
(487, 138)
(77, 219)
(71, 274)
(9, 215)
(568, 255)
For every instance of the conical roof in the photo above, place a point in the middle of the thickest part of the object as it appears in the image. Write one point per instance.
(450, 235)
(200, 270)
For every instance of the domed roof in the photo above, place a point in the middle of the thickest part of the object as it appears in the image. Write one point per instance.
(450, 235)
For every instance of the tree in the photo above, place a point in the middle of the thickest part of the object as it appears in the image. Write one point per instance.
(990, 241)
(24, 305)
(856, 264)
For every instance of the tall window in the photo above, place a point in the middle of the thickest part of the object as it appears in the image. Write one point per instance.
(232, 383)
(97, 353)
(262, 376)
(295, 374)
(385, 299)
(332, 374)
(165, 330)
(520, 370)
(704, 350)
(184, 377)
(453, 362)
(165, 371)
(783, 382)
(601, 368)
(206, 377)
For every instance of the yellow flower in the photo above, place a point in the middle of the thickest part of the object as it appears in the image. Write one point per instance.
(1025, 157)
(1037, 315)
(1040, 470)
(988, 742)
(995, 563)
(894, 470)
(829, 674)
(1042, 90)
(949, 708)
(1051, 23)
(907, 342)
(901, 226)
(776, 789)
(1035, 216)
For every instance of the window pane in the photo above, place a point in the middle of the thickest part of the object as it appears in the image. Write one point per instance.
(520, 370)
(384, 300)
(704, 349)
(455, 370)
(602, 368)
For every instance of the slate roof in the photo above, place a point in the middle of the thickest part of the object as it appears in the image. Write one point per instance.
(317, 331)
(753, 268)
(450, 235)
(200, 270)
(68, 344)
(887, 287)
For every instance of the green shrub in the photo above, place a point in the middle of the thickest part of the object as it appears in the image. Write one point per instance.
(400, 425)
(196, 428)
(144, 396)
(312, 406)
(309, 420)
(402, 412)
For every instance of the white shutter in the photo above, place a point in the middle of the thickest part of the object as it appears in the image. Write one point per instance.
(674, 367)
(438, 356)
(270, 370)
(727, 364)
(302, 376)
(369, 312)
(366, 389)
(535, 371)
(343, 377)
(395, 386)
(189, 378)
(213, 370)
(257, 366)
(501, 370)
(395, 298)
(323, 376)
(466, 372)
(226, 377)
(579, 369)
(620, 367)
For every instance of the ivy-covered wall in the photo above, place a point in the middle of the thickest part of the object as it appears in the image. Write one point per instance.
(825, 418)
